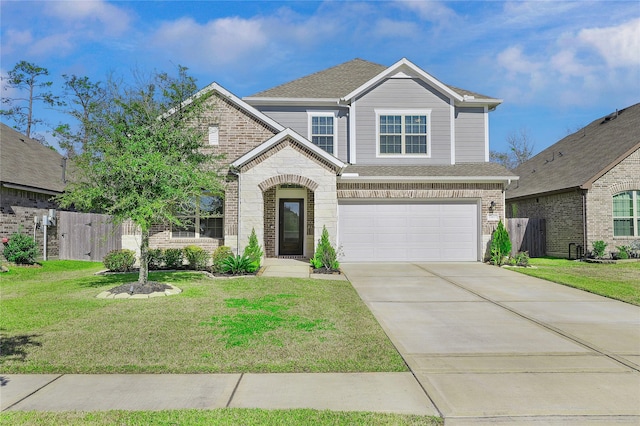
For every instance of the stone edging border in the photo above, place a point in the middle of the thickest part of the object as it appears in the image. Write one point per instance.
(170, 292)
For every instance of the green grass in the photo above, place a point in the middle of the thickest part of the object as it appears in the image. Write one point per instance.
(51, 322)
(619, 281)
(227, 416)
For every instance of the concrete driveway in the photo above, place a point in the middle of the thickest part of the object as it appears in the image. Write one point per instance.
(489, 345)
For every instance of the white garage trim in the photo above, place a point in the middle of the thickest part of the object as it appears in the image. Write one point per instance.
(409, 230)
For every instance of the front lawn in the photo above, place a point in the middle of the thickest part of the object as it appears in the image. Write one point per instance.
(619, 281)
(51, 322)
(227, 416)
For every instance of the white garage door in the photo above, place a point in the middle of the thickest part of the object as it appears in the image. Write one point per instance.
(408, 231)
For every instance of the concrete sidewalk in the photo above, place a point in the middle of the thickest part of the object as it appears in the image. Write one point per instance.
(491, 345)
(295, 268)
(378, 392)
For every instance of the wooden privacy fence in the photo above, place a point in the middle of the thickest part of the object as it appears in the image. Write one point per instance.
(528, 235)
(87, 236)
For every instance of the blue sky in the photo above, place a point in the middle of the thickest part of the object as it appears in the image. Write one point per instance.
(558, 65)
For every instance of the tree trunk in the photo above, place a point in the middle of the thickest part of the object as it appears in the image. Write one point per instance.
(143, 277)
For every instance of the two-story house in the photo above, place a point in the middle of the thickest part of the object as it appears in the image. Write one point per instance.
(393, 162)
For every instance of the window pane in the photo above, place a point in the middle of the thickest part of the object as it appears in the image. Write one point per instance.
(416, 144)
(324, 142)
(211, 227)
(622, 227)
(623, 205)
(390, 144)
(211, 205)
(188, 231)
(390, 124)
(416, 124)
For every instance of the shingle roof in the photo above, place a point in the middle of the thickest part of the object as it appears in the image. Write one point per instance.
(466, 170)
(581, 157)
(27, 162)
(336, 82)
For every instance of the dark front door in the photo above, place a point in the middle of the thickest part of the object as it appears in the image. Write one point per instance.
(291, 222)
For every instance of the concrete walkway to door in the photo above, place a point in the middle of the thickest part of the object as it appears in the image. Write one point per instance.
(490, 345)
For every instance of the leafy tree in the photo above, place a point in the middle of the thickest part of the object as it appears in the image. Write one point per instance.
(500, 245)
(85, 99)
(143, 159)
(25, 77)
(520, 150)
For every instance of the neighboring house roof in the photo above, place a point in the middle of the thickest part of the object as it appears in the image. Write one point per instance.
(287, 133)
(465, 171)
(347, 80)
(582, 157)
(27, 164)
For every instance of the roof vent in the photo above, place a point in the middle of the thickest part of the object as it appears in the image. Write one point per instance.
(611, 116)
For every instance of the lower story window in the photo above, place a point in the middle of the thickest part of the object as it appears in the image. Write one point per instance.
(202, 219)
(626, 214)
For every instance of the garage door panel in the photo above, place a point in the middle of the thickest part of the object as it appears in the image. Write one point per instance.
(408, 231)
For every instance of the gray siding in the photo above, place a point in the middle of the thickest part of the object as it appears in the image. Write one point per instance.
(403, 93)
(470, 131)
(297, 119)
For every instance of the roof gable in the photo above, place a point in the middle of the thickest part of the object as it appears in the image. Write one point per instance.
(348, 80)
(577, 160)
(292, 135)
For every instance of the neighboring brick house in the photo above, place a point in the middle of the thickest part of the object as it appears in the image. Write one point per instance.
(30, 175)
(394, 163)
(586, 186)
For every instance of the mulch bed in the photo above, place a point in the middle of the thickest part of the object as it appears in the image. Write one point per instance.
(324, 270)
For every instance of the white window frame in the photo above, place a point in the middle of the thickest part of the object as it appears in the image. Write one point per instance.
(635, 217)
(196, 222)
(403, 113)
(311, 114)
(214, 135)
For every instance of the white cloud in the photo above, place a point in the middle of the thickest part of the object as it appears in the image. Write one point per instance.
(222, 40)
(395, 29)
(114, 20)
(618, 45)
(432, 11)
(14, 40)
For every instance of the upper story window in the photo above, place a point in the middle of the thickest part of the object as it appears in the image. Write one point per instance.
(403, 132)
(203, 219)
(213, 135)
(626, 214)
(322, 130)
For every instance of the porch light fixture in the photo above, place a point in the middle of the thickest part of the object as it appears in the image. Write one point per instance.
(492, 206)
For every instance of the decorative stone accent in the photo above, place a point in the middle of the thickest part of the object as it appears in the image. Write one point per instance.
(294, 179)
(169, 292)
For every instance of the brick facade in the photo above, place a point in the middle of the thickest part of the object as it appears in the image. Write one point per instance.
(564, 212)
(17, 209)
(623, 177)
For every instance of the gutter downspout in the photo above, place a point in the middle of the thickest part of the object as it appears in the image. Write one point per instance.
(236, 172)
(584, 223)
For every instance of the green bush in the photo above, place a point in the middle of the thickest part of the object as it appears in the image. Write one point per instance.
(21, 249)
(120, 260)
(325, 255)
(219, 255)
(237, 265)
(598, 248)
(197, 257)
(624, 251)
(253, 251)
(155, 258)
(500, 245)
(173, 258)
(522, 258)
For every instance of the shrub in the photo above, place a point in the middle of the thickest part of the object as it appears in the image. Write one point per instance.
(155, 258)
(623, 252)
(197, 257)
(173, 258)
(500, 245)
(236, 265)
(21, 249)
(598, 248)
(219, 255)
(120, 260)
(253, 251)
(325, 255)
(522, 258)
